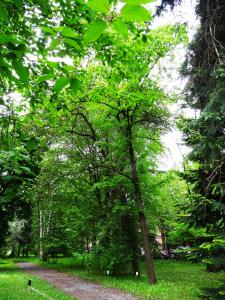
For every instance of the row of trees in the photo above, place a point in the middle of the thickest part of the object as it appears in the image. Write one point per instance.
(81, 134)
(81, 120)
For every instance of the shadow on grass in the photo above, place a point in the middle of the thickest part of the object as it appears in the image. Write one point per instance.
(10, 270)
(20, 269)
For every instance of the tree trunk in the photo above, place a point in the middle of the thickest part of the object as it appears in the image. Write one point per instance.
(135, 266)
(27, 250)
(13, 252)
(164, 241)
(128, 227)
(139, 203)
(41, 235)
(18, 251)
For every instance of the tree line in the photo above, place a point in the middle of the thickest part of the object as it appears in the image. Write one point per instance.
(81, 121)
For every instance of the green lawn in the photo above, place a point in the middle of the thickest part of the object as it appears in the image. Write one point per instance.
(177, 280)
(13, 285)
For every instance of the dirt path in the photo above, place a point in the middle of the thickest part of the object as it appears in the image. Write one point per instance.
(81, 289)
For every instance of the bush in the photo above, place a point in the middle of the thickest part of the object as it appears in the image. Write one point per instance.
(214, 254)
(115, 259)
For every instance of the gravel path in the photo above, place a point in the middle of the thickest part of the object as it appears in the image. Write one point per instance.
(73, 285)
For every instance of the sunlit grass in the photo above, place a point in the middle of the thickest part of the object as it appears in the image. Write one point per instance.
(13, 285)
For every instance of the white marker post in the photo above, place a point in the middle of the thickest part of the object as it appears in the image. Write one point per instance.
(137, 275)
(38, 292)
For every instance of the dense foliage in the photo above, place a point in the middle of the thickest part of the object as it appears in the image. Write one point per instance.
(110, 136)
(205, 134)
(81, 123)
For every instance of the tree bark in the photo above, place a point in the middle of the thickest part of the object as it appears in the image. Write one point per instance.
(164, 241)
(18, 251)
(135, 267)
(128, 227)
(139, 203)
(41, 235)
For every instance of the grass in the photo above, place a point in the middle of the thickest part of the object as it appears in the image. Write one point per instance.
(177, 280)
(13, 285)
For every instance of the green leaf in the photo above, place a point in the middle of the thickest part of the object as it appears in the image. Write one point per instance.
(132, 13)
(57, 28)
(69, 32)
(4, 63)
(214, 189)
(9, 193)
(47, 30)
(61, 83)
(52, 64)
(21, 71)
(54, 43)
(138, 2)
(45, 77)
(72, 43)
(25, 170)
(68, 68)
(2, 101)
(8, 178)
(75, 85)
(120, 27)
(18, 3)
(11, 153)
(99, 5)
(3, 14)
(17, 171)
(30, 145)
(94, 31)
(4, 39)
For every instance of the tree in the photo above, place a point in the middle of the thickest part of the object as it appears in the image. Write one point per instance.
(27, 27)
(115, 156)
(20, 155)
(205, 134)
(123, 93)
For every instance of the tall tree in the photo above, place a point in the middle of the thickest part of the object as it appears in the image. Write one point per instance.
(123, 94)
(205, 93)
